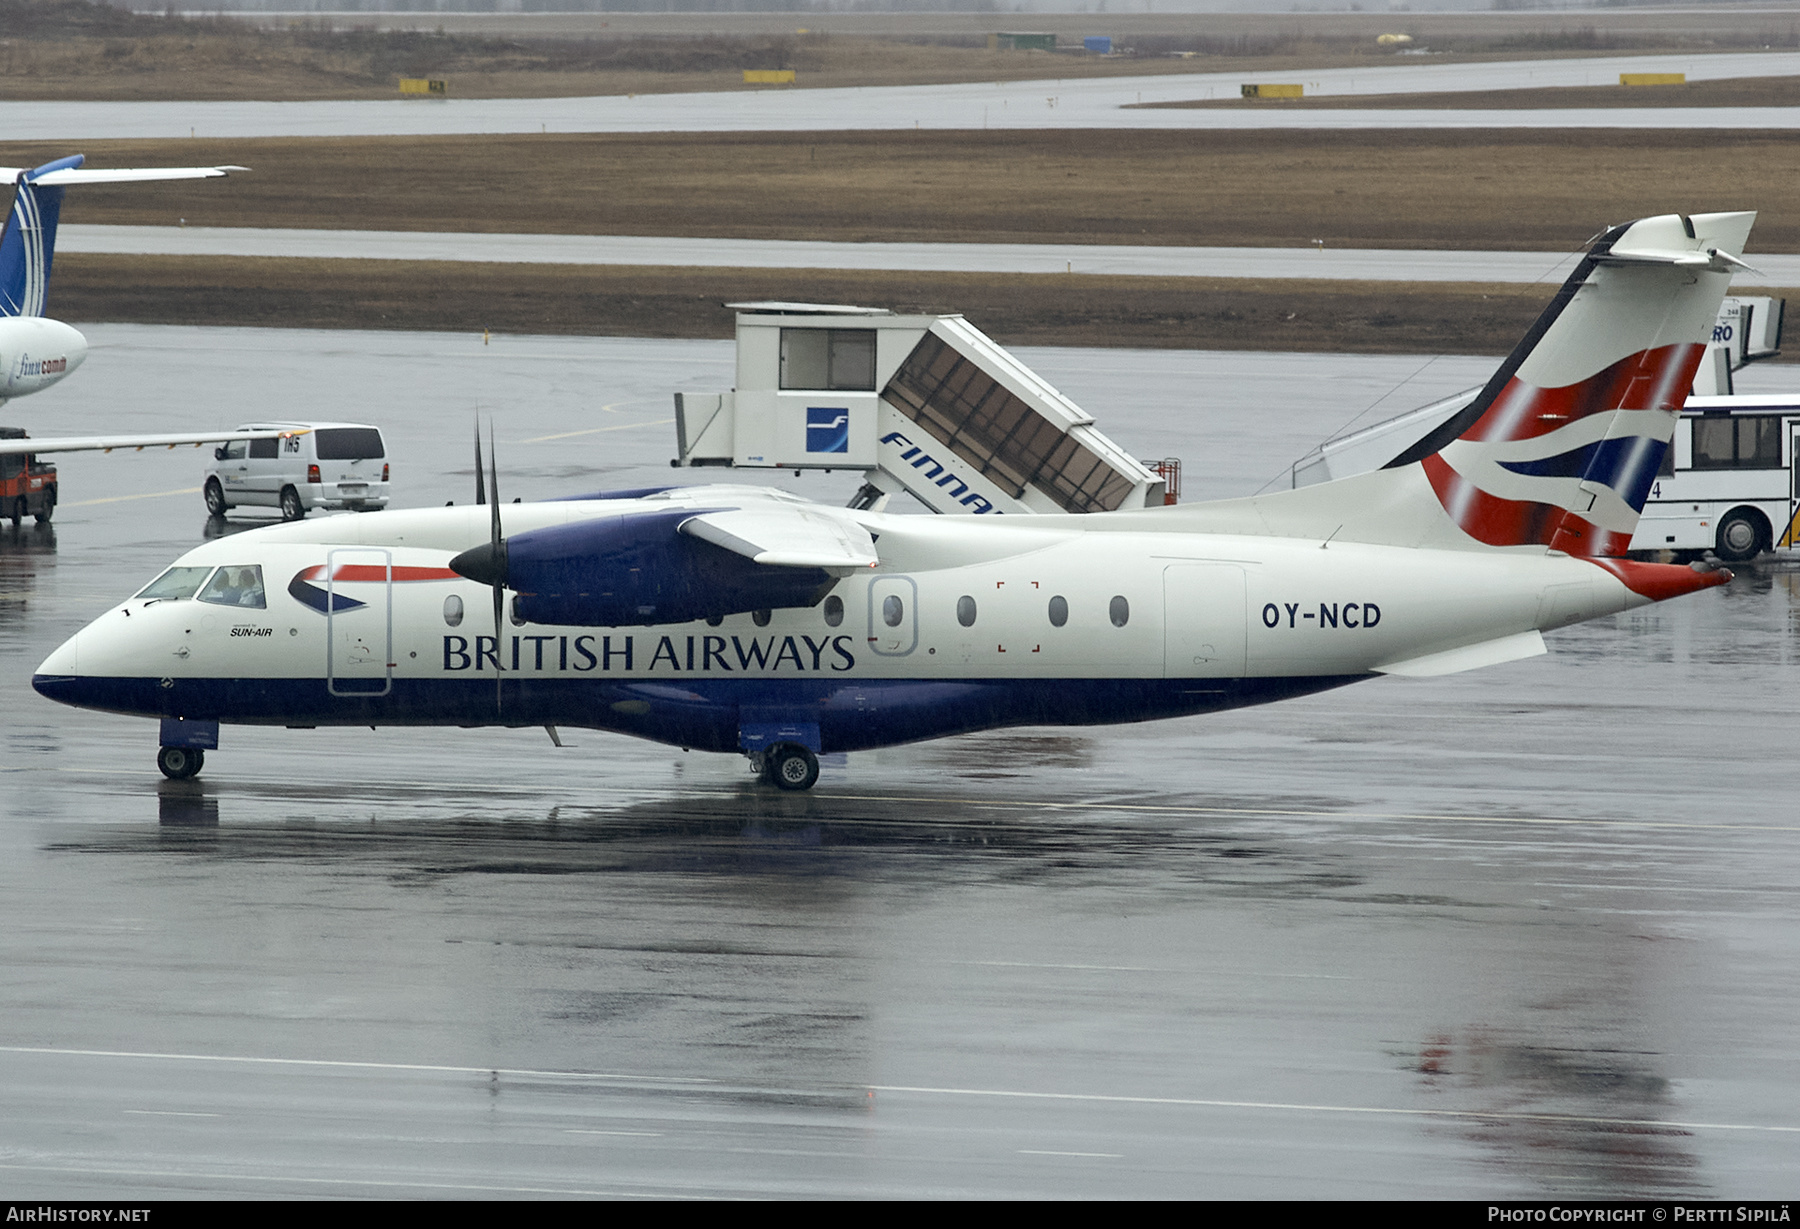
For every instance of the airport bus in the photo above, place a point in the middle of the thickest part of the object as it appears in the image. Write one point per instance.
(1730, 482)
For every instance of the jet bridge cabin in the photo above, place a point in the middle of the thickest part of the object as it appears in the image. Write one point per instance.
(924, 404)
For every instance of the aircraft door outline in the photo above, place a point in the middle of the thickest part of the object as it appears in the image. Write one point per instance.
(1205, 621)
(893, 615)
(359, 642)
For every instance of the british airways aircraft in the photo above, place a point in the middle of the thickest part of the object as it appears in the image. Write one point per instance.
(744, 620)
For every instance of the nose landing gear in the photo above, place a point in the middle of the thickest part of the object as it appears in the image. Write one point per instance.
(184, 746)
(180, 763)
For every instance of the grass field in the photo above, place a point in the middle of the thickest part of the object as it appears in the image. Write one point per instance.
(1514, 189)
(681, 302)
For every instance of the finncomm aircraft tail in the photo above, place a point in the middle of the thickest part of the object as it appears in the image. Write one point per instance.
(1560, 449)
(37, 352)
(28, 247)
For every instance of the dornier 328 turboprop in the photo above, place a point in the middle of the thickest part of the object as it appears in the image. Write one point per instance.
(738, 619)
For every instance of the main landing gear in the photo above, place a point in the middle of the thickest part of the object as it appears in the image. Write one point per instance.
(787, 766)
(180, 763)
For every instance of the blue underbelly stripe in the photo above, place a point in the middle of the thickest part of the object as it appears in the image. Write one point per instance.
(852, 716)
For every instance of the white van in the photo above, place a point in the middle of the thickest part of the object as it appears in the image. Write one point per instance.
(337, 465)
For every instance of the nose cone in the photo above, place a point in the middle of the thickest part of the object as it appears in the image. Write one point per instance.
(59, 677)
(38, 352)
(66, 659)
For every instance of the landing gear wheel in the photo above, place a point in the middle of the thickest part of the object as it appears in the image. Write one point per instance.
(291, 508)
(49, 508)
(215, 497)
(792, 767)
(1740, 538)
(180, 763)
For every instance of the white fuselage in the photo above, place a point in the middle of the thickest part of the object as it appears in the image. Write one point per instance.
(1151, 621)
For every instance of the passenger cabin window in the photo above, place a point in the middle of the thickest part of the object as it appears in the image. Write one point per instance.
(264, 450)
(1741, 441)
(834, 610)
(236, 586)
(174, 584)
(828, 359)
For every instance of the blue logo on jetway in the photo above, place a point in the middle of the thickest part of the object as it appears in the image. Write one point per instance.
(827, 429)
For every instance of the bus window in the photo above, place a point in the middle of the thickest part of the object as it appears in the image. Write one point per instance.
(1742, 441)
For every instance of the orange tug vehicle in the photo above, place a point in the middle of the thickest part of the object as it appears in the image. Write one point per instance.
(27, 485)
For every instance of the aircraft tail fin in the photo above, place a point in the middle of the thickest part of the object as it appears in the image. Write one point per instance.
(1564, 442)
(29, 242)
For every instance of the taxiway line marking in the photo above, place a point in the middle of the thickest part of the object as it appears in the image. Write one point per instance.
(927, 1090)
(356, 1182)
(1143, 968)
(1389, 1111)
(353, 1065)
(624, 426)
(119, 499)
(171, 1114)
(1272, 812)
(1110, 1156)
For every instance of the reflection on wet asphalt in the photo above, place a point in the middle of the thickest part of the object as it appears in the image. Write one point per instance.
(1525, 931)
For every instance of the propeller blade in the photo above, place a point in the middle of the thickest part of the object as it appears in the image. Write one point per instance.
(494, 483)
(499, 603)
(480, 490)
(496, 545)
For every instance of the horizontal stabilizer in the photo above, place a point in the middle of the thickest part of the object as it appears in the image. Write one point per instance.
(788, 536)
(1469, 657)
(106, 443)
(69, 177)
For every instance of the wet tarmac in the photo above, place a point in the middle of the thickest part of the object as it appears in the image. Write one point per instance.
(1525, 931)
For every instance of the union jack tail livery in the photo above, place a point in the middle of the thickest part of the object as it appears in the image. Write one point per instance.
(1562, 445)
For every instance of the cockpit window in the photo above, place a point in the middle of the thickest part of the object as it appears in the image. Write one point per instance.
(236, 586)
(174, 584)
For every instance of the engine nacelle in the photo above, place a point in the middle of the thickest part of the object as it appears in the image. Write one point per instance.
(635, 569)
(36, 352)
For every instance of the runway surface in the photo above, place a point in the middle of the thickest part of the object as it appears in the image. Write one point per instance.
(1310, 263)
(1529, 931)
(1069, 103)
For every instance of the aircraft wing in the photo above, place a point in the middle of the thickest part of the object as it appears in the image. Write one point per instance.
(70, 176)
(106, 443)
(788, 535)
